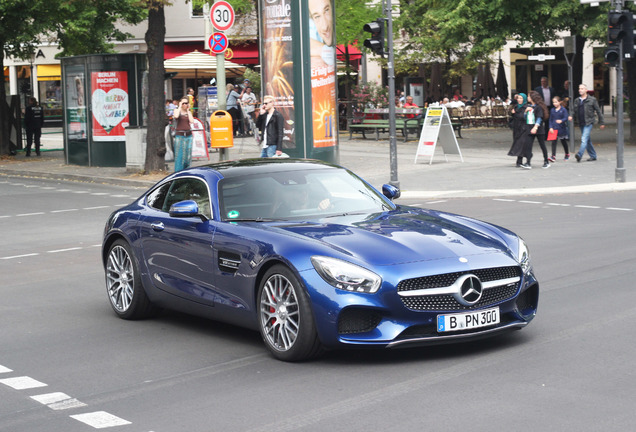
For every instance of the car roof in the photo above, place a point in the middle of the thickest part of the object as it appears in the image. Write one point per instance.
(230, 169)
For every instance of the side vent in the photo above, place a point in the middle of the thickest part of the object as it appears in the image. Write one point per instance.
(229, 262)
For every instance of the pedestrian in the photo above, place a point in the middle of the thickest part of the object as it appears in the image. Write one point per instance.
(231, 105)
(584, 108)
(537, 115)
(559, 125)
(33, 122)
(546, 91)
(183, 122)
(270, 123)
(190, 97)
(520, 132)
(249, 104)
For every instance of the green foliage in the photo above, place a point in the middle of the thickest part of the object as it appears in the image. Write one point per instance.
(370, 95)
(255, 80)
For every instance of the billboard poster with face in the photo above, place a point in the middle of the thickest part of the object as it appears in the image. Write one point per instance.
(277, 62)
(109, 102)
(322, 41)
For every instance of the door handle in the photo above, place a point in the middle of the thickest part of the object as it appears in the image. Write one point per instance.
(157, 226)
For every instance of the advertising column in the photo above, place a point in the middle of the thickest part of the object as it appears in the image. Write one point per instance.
(298, 57)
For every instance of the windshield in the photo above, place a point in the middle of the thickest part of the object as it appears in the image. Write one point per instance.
(297, 195)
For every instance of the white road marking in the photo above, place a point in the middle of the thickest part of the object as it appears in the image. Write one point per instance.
(5, 369)
(20, 256)
(65, 210)
(22, 383)
(5, 216)
(95, 208)
(100, 193)
(587, 206)
(29, 214)
(531, 202)
(100, 419)
(58, 401)
(619, 209)
(552, 204)
(64, 250)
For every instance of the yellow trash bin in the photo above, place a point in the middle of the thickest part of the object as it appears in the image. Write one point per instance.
(221, 134)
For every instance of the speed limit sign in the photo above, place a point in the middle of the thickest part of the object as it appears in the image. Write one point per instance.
(222, 15)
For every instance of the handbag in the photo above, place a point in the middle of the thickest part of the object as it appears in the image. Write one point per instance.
(552, 135)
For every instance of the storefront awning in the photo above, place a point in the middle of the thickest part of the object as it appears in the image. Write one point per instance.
(51, 72)
(354, 53)
(197, 64)
(245, 53)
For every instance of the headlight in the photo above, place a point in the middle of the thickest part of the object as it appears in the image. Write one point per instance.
(523, 256)
(346, 276)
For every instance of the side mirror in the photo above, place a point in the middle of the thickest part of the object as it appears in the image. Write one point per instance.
(390, 191)
(186, 208)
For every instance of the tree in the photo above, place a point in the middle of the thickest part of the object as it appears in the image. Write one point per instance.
(155, 36)
(464, 33)
(79, 27)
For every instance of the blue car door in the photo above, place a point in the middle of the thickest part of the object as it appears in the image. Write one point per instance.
(179, 251)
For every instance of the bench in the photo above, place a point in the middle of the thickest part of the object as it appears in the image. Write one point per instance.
(382, 125)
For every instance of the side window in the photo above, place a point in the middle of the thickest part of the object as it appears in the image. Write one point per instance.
(189, 189)
(157, 197)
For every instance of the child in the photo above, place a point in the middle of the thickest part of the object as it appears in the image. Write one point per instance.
(559, 123)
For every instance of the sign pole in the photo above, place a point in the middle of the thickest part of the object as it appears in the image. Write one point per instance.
(391, 75)
(620, 168)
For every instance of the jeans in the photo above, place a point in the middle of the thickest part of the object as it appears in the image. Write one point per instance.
(586, 142)
(182, 152)
(268, 151)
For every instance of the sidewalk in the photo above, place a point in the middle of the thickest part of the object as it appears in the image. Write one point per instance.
(486, 170)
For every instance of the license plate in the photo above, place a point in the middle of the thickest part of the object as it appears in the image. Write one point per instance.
(468, 320)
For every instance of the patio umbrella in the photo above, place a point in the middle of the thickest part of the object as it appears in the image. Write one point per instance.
(479, 85)
(489, 82)
(502, 82)
(191, 64)
(435, 89)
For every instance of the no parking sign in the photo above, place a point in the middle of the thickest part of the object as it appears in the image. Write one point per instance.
(217, 43)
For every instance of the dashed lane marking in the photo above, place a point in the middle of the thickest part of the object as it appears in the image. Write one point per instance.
(100, 419)
(58, 401)
(22, 383)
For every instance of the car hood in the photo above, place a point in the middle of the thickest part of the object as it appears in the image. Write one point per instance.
(403, 236)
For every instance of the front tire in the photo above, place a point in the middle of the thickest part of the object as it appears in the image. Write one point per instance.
(123, 284)
(285, 317)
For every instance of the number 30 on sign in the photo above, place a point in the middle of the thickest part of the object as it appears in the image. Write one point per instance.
(222, 15)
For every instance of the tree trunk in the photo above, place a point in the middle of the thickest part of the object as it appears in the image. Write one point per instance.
(155, 37)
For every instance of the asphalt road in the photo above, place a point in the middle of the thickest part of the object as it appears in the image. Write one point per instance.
(68, 364)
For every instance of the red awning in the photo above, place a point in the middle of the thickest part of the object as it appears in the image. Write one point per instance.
(354, 53)
(238, 53)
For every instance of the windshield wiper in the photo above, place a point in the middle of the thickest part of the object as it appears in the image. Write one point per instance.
(258, 219)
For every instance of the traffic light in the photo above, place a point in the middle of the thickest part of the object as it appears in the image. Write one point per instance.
(376, 42)
(620, 32)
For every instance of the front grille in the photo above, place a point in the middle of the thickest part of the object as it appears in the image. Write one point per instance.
(444, 280)
(447, 302)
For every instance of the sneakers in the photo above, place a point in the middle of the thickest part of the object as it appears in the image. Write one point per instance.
(591, 159)
(578, 158)
(525, 166)
(567, 156)
(546, 165)
(552, 158)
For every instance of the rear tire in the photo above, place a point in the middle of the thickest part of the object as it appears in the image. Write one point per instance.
(285, 317)
(123, 284)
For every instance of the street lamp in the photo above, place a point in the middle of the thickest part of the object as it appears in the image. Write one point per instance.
(31, 61)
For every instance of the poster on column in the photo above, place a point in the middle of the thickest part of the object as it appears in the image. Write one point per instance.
(323, 71)
(110, 105)
(276, 59)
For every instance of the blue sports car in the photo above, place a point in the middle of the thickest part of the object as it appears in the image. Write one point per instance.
(314, 258)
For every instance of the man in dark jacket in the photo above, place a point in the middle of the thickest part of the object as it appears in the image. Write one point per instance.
(546, 92)
(33, 122)
(584, 108)
(270, 123)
